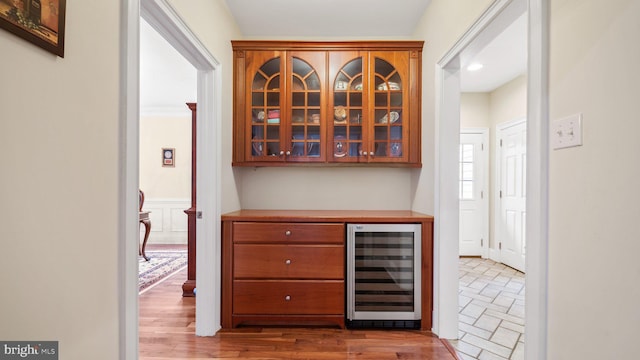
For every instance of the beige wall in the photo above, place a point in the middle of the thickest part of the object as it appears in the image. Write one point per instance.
(326, 188)
(474, 110)
(509, 101)
(156, 133)
(212, 23)
(167, 189)
(593, 235)
(594, 272)
(59, 186)
(486, 110)
(59, 121)
(440, 27)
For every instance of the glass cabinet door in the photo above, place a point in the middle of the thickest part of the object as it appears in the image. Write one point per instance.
(306, 120)
(388, 139)
(316, 104)
(348, 115)
(369, 98)
(265, 109)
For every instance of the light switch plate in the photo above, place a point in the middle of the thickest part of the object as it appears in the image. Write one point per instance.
(567, 132)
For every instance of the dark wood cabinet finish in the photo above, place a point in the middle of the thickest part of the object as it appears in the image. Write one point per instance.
(288, 232)
(327, 103)
(286, 267)
(289, 297)
(260, 261)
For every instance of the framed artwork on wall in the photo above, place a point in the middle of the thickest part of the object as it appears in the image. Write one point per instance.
(168, 157)
(38, 21)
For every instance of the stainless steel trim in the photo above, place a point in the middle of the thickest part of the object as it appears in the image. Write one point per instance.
(352, 314)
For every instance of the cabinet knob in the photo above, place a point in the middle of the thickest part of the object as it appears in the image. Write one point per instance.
(288, 261)
(288, 232)
(287, 298)
(364, 153)
(281, 152)
(288, 153)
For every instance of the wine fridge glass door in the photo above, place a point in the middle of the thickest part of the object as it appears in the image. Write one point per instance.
(383, 279)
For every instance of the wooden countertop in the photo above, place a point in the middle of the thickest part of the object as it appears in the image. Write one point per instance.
(360, 216)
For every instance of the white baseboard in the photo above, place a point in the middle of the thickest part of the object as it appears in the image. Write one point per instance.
(168, 220)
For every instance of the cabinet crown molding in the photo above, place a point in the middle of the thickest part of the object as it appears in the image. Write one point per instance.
(326, 45)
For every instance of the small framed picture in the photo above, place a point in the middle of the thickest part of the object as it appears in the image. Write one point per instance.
(168, 157)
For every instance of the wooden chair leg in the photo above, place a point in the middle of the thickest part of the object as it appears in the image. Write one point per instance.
(147, 230)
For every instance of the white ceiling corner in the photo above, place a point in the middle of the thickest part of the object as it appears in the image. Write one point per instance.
(504, 59)
(168, 80)
(327, 18)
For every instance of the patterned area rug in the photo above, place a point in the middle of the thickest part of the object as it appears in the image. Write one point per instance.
(161, 265)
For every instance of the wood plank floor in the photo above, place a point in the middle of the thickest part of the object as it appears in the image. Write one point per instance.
(167, 326)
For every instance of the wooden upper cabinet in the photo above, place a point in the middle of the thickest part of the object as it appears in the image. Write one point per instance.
(332, 103)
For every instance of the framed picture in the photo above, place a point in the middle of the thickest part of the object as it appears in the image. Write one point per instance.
(168, 157)
(38, 21)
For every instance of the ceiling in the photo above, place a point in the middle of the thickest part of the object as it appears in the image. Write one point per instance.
(167, 80)
(327, 18)
(504, 59)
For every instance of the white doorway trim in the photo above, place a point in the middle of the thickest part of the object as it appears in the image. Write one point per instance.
(128, 155)
(165, 20)
(483, 158)
(499, 14)
(537, 264)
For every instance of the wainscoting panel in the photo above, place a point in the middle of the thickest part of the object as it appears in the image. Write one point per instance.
(168, 220)
(179, 219)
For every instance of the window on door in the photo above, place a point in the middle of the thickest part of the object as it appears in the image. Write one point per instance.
(466, 171)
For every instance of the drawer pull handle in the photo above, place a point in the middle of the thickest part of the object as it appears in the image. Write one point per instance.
(288, 232)
(288, 261)
(287, 298)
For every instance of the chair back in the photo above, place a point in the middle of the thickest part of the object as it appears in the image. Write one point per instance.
(140, 199)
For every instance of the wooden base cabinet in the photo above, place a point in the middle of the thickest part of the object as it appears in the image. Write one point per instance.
(285, 273)
(289, 297)
(287, 268)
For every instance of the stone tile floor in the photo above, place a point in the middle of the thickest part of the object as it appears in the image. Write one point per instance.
(491, 311)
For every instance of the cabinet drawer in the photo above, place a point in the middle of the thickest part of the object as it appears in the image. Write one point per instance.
(288, 232)
(288, 297)
(288, 261)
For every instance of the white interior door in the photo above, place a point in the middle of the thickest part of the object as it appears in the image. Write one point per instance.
(511, 223)
(472, 193)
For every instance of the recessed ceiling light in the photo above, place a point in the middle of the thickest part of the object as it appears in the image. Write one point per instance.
(474, 67)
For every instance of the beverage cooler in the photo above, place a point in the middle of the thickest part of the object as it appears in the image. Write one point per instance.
(383, 276)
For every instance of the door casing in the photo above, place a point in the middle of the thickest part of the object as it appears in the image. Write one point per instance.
(166, 21)
(447, 127)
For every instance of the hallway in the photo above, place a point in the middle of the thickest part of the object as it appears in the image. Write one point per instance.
(491, 311)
